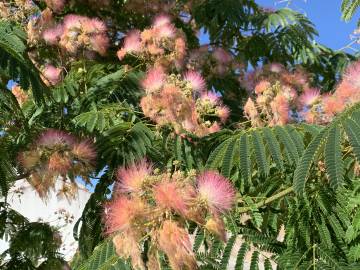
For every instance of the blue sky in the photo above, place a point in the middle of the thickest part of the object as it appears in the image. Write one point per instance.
(326, 15)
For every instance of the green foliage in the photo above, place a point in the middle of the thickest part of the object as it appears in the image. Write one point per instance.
(104, 258)
(15, 63)
(348, 8)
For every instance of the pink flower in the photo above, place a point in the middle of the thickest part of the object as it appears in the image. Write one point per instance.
(262, 86)
(132, 42)
(346, 90)
(169, 195)
(97, 25)
(53, 137)
(196, 81)
(165, 31)
(210, 97)
(161, 20)
(120, 212)
(250, 109)
(59, 163)
(52, 74)
(280, 108)
(216, 191)
(175, 242)
(276, 67)
(131, 178)
(52, 35)
(332, 105)
(84, 151)
(309, 97)
(352, 75)
(180, 47)
(223, 112)
(99, 43)
(73, 21)
(154, 80)
(222, 56)
(215, 127)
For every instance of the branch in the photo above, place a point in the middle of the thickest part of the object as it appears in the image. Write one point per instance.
(267, 201)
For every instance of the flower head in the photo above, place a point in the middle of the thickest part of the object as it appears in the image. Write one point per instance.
(250, 109)
(169, 195)
(52, 74)
(175, 242)
(52, 35)
(216, 226)
(262, 86)
(131, 178)
(121, 212)
(161, 20)
(59, 163)
(154, 80)
(223, 113)
(309, 97)
(195, 80)
(217, 192)
(84, 151)
(280, 109)
(53, 137)
(132, 42)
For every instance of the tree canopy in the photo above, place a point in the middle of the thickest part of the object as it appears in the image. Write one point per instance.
(218, 134)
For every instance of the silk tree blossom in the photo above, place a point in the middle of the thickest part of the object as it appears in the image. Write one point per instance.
(132, 44)
(52, 138)
(84, 150)
(154, 80)
(195, 80)
(162, 43)
(159, 209)
(52, 74)
(280, 109)
(131, 178)
(170, 195)
(52, 35)
(309, 97)
(181, 102)
(127, 245)
(121, 212)
(216, 191)
(58, 154)
(78, 33)
(175, 242)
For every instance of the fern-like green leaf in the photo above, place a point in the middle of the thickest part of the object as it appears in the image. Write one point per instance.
(303, 168)
(333, 158)
(260, 153)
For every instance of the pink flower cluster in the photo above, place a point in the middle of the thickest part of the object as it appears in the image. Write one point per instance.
(182, 102)
(51, 75)
(155, 207)
(162, 43)
(78, 32)
(57, 154)
(281, 97)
